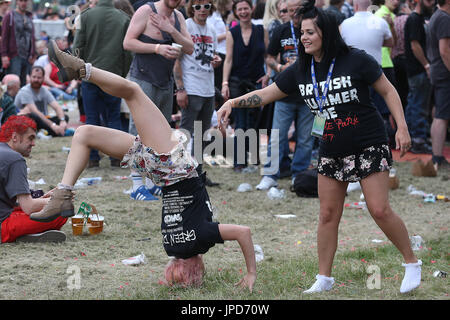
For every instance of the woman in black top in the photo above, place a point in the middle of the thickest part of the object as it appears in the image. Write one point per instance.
(334, 81)
(243, 70)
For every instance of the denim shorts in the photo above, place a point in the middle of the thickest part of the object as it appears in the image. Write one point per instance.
(355, 167)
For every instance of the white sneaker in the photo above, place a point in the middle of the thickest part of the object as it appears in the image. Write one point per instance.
(266, 183)
(322, 283)
(411, 280)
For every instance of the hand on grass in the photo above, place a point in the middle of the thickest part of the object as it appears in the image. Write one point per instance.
(247, 281)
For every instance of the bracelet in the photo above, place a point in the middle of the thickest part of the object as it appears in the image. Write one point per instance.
(157, 48)
(180, 89)
(426, 66)
(62, 119)
(53, 124)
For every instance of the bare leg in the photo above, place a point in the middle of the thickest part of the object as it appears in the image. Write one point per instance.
(331, 196)
(114, 143)
(153, 128)
(376, 192)
(438, 135)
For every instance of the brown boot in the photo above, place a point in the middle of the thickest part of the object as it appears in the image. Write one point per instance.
(60, 204)
(70, 67)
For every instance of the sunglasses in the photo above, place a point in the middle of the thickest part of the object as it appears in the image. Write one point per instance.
(283, 11)
(198, 7)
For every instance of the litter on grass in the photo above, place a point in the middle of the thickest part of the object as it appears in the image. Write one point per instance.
(285, 216)
(244, 187)
(136, 260)
(274, 193)
(259, 255)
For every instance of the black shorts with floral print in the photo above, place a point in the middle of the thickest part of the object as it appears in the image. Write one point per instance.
(357, 166)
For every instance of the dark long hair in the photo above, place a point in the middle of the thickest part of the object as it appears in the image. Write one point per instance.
(332, 43)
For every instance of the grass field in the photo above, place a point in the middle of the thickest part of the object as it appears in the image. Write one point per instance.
(47, 271)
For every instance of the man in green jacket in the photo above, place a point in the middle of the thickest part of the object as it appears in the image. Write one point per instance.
(99, 42)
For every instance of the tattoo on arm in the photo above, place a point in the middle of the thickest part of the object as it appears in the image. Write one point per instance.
(178, 77)
(252, 101)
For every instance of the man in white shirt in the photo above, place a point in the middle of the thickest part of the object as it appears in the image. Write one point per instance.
(194, 76)
(366, 31)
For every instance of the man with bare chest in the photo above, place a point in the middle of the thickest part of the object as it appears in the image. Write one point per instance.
(153, 29)
(155, 26)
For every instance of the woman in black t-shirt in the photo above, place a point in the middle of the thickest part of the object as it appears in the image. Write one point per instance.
(159, 154)
(334, 82)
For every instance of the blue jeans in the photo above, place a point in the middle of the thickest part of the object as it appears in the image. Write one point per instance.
(20, 67)
(284, 114)
(416, 112)
(57, 93)
(101, 109)
(245, 119)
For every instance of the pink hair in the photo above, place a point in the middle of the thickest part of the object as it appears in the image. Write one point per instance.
(186, 272)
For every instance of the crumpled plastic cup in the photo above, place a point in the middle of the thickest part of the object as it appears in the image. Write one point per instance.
(259, 255)
(274, 193)
(244, 187)
(352, 186)
(417, 243)
(440, 274)
(136, 260)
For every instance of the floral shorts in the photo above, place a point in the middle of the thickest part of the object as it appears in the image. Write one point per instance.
(163, 169)
(358, 166)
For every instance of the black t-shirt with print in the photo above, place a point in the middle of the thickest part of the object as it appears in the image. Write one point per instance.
(282, 42)
(353, 122)
(187, 227)
(414, 30)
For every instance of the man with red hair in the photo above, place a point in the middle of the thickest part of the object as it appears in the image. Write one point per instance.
(17, 138)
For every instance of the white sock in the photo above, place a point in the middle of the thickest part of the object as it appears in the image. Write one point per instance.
(63, 186)
(323, 283)
(88, 68)
(412, 277)
(149, 183)
(137, 181)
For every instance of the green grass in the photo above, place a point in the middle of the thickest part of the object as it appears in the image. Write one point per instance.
(39, 271)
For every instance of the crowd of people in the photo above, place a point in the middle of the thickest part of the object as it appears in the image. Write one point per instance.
(346, 80)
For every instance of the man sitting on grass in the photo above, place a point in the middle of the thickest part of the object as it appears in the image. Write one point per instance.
(33, 100)
(17, 138)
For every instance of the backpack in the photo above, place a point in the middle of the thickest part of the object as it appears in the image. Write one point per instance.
(305, 184)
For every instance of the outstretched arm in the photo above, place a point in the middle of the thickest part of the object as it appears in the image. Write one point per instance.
(252, 99)
(244, 237)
